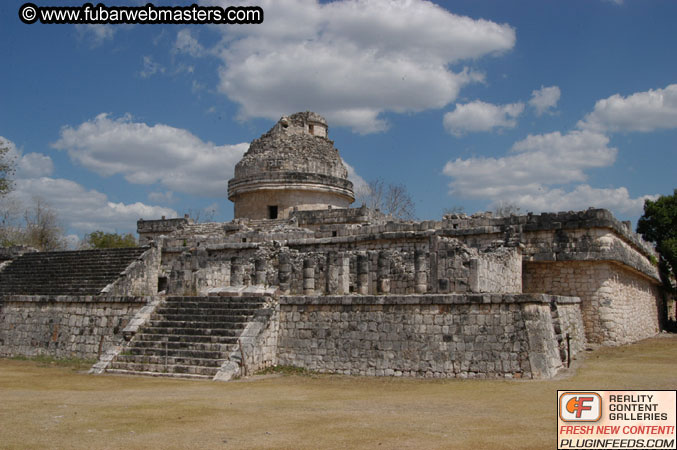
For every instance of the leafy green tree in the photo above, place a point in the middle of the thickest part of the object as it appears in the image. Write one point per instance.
(659, 225)
(100, 239)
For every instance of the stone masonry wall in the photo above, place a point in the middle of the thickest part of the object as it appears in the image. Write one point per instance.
(618, 305)
(140, 277)
(64, 326)
(149, 230)
(571, 325)
(499, 271)
(441, 336)
(369, 268)
(257, 344)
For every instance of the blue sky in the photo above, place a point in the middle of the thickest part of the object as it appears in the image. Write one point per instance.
(548, 105)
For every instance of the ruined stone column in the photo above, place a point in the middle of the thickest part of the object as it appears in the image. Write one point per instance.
(308, 276)
(383, 284)
(344, 274)
(284, 272)
(225, 271)
(260, 271)
(236, 271)
(420, 274)
(333, 269)
(434, 241)
(362, 274)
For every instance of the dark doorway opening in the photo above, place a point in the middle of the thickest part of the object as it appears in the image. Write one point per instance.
(272, 212)
(162, 284)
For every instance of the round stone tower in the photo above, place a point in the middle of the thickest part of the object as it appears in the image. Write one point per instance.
(294, 165)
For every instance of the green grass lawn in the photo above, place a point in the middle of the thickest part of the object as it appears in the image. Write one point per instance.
(48, 405)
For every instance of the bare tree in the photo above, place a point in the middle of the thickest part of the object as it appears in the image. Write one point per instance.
(201, 215)
(506, 209)
(393, 199)
(43, 230)
(456, 209)
(7, 167)
(12, 230)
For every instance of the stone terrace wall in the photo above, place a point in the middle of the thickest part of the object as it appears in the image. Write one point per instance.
(64, 326)
(569, 322)
(441, 336)
(335, 218)
(333, 266)
(150, 229)
(618, 305)
(140, 277)
(499, 271)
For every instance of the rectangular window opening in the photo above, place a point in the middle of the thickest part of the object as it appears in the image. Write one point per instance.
(272, 212)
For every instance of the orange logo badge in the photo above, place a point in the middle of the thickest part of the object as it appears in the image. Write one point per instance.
(580, 407)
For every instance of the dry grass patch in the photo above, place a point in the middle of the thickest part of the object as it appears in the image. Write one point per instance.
(47, 406)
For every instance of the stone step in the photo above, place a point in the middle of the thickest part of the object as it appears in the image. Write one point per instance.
(161, 368)
(66, 275)
(44, 283)
(216, 299)
(85, 253)
(170, 360)
(233, 331)
(212, 312)
(47, 291)
(182, 346)
(212, 318)
(147, 336)
(189, 352)
(100, 265)
(235, 321)
(159, 374)
(211, 305)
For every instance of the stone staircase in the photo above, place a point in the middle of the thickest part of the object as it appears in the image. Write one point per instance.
(187, 337)
(557, 326)
(84, 272)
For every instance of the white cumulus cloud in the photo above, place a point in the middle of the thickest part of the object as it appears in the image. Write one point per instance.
(28, 165)
(148, 154)
(150, 67)
(161, 197)
(642, 111)
(533, 163)
(537, 171)
(351, 60)
(544, 99)
(186, 43)
(77, 207)
(96, 34)
(480, 116)
(582, 197)
(360, 185)
(86, 210)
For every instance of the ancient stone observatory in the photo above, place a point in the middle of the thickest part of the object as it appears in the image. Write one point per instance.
(294, 166)
(291, 281)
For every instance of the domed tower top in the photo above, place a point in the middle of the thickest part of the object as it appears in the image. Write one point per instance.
(293, 165)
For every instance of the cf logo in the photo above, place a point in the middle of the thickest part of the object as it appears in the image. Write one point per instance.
(580, 406)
